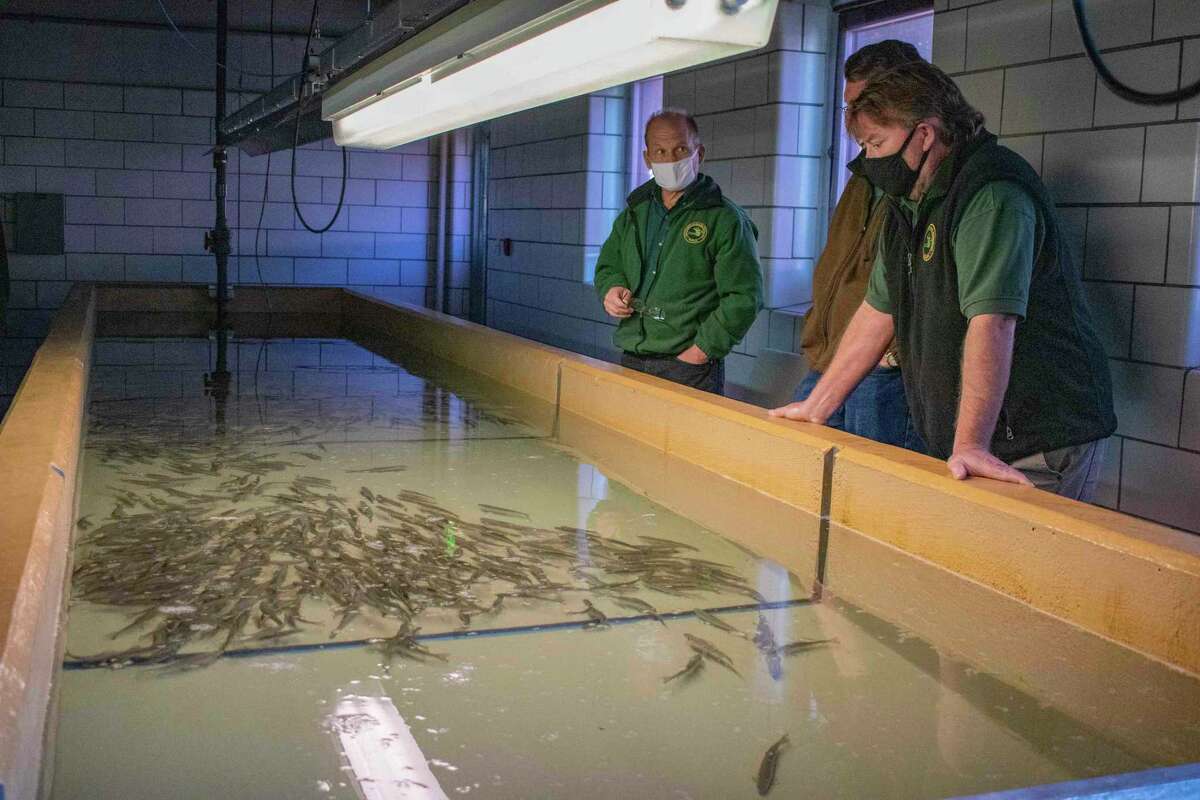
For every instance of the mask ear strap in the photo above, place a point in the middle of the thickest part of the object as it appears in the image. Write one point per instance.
(924, 155)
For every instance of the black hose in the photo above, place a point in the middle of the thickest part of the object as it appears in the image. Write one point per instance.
(312, 25)
(1112, 82)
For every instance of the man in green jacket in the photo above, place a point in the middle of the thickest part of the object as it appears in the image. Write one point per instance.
(876, 409)
(680, 269)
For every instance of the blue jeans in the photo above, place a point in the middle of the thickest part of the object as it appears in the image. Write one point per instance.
(876, 409)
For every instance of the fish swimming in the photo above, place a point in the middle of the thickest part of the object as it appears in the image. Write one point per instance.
(769, 765)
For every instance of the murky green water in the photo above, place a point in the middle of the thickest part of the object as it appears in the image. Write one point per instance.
(241, 533)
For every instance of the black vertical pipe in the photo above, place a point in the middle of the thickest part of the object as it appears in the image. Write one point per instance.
(220, 233)
(217, 240)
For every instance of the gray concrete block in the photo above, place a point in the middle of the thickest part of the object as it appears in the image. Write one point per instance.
(33, 94)
(64, 124)
(124, 127)
(109, 155)
(92, 97)
(147, 100)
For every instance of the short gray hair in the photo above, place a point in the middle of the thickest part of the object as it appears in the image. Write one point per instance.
(674, 115)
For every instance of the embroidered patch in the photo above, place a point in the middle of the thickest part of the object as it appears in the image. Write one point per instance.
(695, 233)
(929, 243)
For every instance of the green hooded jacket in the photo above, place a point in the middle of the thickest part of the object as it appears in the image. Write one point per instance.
(707, 283)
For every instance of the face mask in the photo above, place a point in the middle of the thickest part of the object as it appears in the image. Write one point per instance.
(675, 175)
(892, 174)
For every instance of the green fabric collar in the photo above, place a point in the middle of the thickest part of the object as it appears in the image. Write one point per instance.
(704, 193)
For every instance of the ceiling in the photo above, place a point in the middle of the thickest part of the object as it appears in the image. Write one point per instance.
(337, 17)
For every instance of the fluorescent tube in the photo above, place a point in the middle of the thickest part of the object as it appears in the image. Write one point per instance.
(501, 60)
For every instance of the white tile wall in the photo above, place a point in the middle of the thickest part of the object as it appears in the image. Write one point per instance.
(1103, 166)
(1189, 435)
(950, 40)
(1175, 18)
(985, 91)
(1189, 74)
(1113, 23)
(1160, 483)
(1007, 32)
(1056, 95)
(1150, 69)
(1166, 325)
(1147, 401)
(1183, 252)
(1172, 163)
(1127, 243)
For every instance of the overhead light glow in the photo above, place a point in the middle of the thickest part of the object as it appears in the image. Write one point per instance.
(512, 55)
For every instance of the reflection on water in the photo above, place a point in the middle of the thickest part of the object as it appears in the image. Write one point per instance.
(512, 623)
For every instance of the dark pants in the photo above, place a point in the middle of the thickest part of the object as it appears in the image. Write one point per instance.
(708, 377)
(876, 409)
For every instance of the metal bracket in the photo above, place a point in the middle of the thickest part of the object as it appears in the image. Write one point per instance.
(216, 241)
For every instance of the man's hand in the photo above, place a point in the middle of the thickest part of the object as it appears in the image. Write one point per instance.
(975, 461)
(693, 355)
(617, 302)
(804, 411)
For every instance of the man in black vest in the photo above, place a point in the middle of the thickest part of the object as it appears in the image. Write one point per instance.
(1004, 374)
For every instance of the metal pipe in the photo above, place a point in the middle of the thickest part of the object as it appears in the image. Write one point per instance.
(481, 151)
(441, 284)
(219, 236)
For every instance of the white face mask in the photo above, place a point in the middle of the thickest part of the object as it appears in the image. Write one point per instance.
(675, 175)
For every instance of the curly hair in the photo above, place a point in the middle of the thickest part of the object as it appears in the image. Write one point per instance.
(911, 92)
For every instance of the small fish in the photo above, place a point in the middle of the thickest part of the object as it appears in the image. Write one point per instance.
(711, 652)
(709, 618)
(694, 665)
(764, 640)
(367, 493)
(800, 645)
(380, 470)
(770, 763)
(597, 616)
(502, 511)
(346, 617)
(84, 523)
(641, 606)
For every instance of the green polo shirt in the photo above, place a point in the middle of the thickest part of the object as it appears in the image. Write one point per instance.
(995, 245)
(658, 226)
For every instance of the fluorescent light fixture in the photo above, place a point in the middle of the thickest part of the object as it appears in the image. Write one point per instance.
(496, 57)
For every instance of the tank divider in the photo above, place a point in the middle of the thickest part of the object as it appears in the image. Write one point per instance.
(251, 652)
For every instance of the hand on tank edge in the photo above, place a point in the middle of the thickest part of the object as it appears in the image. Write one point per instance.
(803, 411)
(975, 461)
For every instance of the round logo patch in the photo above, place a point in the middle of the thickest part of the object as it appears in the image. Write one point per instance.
(929, 243)
(695, 233)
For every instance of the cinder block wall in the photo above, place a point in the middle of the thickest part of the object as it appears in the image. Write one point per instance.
(558, 182)
(119, 121)
(1127, 180)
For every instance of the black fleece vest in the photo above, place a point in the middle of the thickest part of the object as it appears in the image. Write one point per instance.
(1059, 391)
